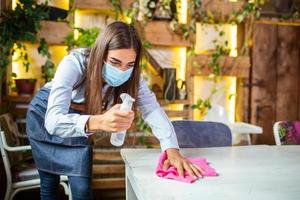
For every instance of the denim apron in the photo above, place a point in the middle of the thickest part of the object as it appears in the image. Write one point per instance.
(71, 156)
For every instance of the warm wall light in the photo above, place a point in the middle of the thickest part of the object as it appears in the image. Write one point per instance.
(77, 23)
(182, 5)
(91, 19)
(233, 40)
(180, 62)
(14, 4)
(231, 96)
(64, 4)
(226, 88)
(15, 64)
(36, 61)
(207, 33)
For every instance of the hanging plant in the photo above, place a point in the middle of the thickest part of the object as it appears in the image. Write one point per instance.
(86, 38)
(143, 12)
(20, 26)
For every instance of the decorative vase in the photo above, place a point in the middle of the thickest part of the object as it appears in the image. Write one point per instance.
(170, 87)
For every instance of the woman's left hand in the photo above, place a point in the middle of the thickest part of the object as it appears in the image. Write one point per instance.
(182, 164)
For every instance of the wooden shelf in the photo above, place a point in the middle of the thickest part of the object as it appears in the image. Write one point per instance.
(159, 33)
(230, 66)
(109, 169)
(54, 32)
(178, 113)
(164, 102)
(108, 183)
(17, 99)
(223, 8)
(276, 21)
(100, 5)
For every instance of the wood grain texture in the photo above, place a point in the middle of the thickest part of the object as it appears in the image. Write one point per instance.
(54, 32)
(263, 100)
(100, 4)
(159, 33)
(275, 81)
(288, 67)
(108, 183)
(230, 66)
(222, 8)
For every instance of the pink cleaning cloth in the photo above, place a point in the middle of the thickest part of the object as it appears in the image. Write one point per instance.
(171, 172)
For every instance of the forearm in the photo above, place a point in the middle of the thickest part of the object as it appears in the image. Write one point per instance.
(162, 128)
(65, 125)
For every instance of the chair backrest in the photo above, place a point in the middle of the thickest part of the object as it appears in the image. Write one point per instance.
(5, 157)
(10, 131)
(10, 128)
(197, 134)
(287, 132)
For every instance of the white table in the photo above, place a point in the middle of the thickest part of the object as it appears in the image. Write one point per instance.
(246, 172)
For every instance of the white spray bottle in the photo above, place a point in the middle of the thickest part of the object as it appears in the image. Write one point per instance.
(117, 139)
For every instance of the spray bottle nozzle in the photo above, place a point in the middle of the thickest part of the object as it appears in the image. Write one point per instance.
(127, 102)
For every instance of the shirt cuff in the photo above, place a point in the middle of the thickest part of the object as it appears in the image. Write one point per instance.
(80, 125)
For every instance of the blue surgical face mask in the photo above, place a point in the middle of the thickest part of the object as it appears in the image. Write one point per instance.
(115, 77)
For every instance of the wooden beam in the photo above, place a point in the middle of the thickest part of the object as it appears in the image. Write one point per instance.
(108, 183)
(5, 5)
(109, 169)
(18, 99)
(164, 102)
(263, 98)
(222, 9)
(288, 70)
(230, 66)
(100, 4)
(54, 32)
(159, 33)
(178, 113)
(276, 21)
(107, 155)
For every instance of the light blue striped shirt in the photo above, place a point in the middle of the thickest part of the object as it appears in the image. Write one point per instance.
(61, 123)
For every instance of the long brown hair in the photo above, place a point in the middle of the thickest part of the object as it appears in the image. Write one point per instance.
(116, 35)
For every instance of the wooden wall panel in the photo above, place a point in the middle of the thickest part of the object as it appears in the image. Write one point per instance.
(288, 66)
(159, 33)
(54, 32)
(263, 102)
(275, 80)
(230, 66)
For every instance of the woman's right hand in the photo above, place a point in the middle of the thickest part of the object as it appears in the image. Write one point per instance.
(111, 121)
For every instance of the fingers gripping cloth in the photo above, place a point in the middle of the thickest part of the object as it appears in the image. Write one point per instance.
(172, 173)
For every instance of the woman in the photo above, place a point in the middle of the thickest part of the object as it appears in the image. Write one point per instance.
(84, 99)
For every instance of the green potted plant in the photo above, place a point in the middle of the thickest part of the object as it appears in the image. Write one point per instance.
(86, 38)
(20, 26)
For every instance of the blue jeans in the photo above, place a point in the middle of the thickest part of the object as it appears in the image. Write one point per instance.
(80, 186)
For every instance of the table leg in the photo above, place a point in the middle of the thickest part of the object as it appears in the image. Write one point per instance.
(249, 139)
(130, 194)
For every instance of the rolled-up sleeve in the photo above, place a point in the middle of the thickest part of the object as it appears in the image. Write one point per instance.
(57, 119)
(156, 117)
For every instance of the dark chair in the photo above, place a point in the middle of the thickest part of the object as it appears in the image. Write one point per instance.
(197, 134)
